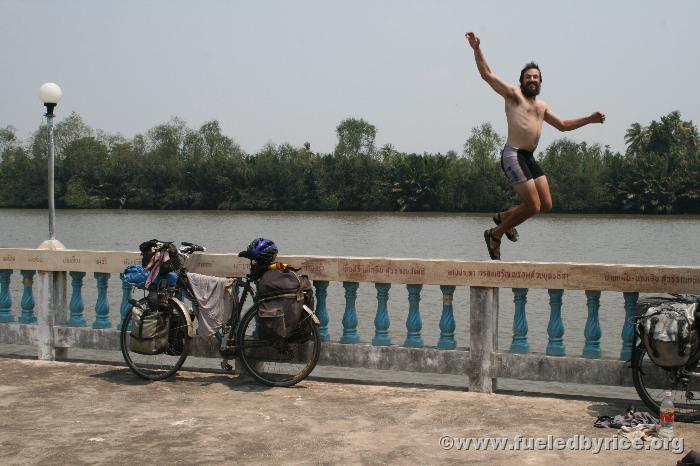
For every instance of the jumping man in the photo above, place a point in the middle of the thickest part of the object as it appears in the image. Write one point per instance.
(525, 114)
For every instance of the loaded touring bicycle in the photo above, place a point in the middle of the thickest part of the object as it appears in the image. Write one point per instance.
(276, 339)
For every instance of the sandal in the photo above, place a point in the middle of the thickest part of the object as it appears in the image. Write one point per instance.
(494, 252)
(511, 234)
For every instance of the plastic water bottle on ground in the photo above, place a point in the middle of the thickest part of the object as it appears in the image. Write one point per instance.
(666, 413)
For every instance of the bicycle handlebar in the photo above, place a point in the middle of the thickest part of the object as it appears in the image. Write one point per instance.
(191, 247)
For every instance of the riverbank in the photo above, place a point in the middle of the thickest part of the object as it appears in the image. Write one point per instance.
(78, 413)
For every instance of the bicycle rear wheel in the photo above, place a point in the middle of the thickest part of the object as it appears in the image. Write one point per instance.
(652, 381)
(163, 365)
(278, 362)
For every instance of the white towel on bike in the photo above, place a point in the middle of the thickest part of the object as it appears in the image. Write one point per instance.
(215, 297)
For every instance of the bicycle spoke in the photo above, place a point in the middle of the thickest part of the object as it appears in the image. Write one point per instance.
(278, 362)
(164, 364)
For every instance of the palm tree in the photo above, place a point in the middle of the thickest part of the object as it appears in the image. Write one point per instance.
(634, 136)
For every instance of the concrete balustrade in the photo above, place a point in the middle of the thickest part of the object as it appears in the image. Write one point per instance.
(43, 275)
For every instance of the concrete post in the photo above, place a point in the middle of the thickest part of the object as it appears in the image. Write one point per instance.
(483, 337)
(447, 319)
(381, 319)
(321, 310)
(350, 335)
(52, 307)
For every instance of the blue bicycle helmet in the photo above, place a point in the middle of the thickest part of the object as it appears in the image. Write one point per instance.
(260, 250)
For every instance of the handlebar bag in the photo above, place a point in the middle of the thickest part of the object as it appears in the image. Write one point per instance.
(668, 333)
(167, 260)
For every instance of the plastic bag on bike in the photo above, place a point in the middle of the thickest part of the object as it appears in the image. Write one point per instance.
(669, 334)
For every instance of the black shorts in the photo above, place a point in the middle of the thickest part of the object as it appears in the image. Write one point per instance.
(519, 165)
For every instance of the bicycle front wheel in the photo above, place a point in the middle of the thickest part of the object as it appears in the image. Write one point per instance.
(278, 362)
(652, 381)
(165, 364)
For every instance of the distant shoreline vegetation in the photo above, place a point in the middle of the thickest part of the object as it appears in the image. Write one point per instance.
(172, 166)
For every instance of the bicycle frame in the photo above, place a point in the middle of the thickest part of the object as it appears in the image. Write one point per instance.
(227, 334)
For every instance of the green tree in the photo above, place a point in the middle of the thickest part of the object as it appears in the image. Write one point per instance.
(67, 131)
(634, 137)
(82, 169)
(486, 187)
(354, 172)
(355, 138)
(660, 167)
(577, 174)
(164, 171)
(214, 168)
(23, 180)
(122, 166)
(417, 181)
(8, 140)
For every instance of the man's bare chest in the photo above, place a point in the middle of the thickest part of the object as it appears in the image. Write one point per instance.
(525, 111)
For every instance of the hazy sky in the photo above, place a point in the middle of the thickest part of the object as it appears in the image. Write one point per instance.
(290, 71)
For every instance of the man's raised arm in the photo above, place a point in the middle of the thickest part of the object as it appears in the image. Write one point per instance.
(496, 83)
(569, 125)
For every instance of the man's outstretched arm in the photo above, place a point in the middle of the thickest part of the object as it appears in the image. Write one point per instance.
(569, 125)
(496, 83)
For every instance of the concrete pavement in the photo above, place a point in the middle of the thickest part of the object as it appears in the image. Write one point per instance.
(78, 413)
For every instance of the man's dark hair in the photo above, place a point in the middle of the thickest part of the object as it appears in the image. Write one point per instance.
(528, 66)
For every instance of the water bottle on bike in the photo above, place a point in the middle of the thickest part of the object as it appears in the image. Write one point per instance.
(666, 413)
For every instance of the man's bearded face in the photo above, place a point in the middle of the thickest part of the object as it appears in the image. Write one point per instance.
(530, 84)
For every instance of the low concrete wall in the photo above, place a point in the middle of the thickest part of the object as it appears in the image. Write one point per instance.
(535, 367)
(482, 363)
(494, 274)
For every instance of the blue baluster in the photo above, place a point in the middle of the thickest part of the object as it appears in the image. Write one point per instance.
(125, 306)
(591, 348)
(519, 343)
(76, 305)
(321, 310)
(413, 321)
(5, 298)
(628, 334)
(27, 304)
(447, 320)
(350, 315)
(555, 328)
(381, 320)
(102, 305)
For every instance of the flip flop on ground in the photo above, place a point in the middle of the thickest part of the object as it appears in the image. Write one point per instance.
(511, 234)
(494, 251)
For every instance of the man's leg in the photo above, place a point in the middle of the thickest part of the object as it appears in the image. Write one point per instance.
(531, 205)
(545, 195)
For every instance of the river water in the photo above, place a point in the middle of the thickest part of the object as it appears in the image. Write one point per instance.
(617, 239)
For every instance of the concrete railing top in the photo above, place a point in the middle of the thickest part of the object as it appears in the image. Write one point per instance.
(551, 275)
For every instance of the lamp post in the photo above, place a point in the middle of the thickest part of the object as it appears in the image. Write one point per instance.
(51, 289)
(50, 94)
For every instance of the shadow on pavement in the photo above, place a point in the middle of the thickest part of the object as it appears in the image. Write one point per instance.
(124, 376)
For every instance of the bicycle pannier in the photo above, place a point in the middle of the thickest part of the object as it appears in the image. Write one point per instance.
(667, 331)
(282, 295)
(149, 331)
